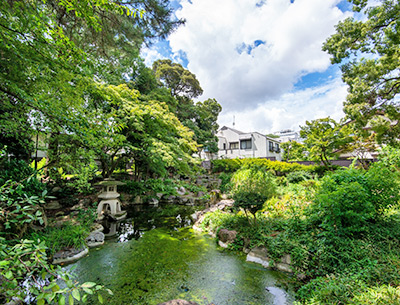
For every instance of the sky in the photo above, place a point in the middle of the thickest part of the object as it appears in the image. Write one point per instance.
(262, 60)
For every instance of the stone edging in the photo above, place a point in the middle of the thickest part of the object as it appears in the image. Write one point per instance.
(72, 258)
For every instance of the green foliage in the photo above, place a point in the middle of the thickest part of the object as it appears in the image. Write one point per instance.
(27, 261)
(68, 236)
(323, 138)
(342, 233)
(138, 188)
(390, 157)
(298, 176)
(20, 171)
(232, 165)
(18, 210)
(251, 188)
(348, 200)
(180, 80)
(226, 185)
(294, 151)
(21, 195)
(367, 49)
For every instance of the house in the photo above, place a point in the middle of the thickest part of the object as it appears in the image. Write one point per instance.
(287, 135)
(233, 143)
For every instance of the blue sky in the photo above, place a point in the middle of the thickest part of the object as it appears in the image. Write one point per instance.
(261, 60)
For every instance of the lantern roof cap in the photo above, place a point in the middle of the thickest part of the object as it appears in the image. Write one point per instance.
(110, 182)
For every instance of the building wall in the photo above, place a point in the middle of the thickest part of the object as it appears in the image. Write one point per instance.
(230, 147)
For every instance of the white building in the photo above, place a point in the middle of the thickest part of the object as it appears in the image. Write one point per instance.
(288, 135)
(233, 143)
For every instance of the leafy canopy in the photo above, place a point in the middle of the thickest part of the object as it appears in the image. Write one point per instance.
(368, 51)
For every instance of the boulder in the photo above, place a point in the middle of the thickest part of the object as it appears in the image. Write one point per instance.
(95, 239)
(181, 191)
(97, 227)
(258, 255)
(53, 205)
(284, 264)
(227, 236)
(178, 302)
(138, 200)
(153, 201)
(69, 255)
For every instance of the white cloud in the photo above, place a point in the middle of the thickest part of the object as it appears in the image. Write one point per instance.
(150, 56)
(292, 36)
(249, 57)
(291, 110)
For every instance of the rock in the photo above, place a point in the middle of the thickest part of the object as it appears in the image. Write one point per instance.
(301, 276)
(95, 239)
(227, 236)
(159, 195)
(78, 207)
(181, 191)
(171, 199)
(259, 255)
(56, 189)
(215, 196)
(285, 263)
(178, 200)
(153, 201)
(69, 255)
(200, 194)
(85, 202)
(59, 214)
(178, 302)
(97, 227)
(53, 205)
(190, 201)
(138, 200)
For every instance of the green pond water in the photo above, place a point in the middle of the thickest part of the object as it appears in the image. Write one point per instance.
(155, 257)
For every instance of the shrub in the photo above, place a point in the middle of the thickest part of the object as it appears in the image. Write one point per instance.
(298, 176)
(280, 167)
(20, 171)
(225, 182)
(349, 199)
(251, 188)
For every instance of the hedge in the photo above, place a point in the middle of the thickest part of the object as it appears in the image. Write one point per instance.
(232, 165)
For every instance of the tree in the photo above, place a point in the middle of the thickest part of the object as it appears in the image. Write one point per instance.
(368, 51)
(51, 51)
(252, 187)
(200, 117)
(145, 131)
(175, 77)
(294, 151)
(323, 138)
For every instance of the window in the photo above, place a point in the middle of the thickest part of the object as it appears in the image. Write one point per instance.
(277, 148)
(234, 145)
(271, 146)
(245, 144)
(224, 146)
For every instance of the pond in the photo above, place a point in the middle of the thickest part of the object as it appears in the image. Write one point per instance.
(155, 257)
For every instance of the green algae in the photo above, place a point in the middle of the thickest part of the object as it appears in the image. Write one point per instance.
(165, 264)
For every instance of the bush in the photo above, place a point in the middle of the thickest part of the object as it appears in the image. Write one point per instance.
(348, 200)
(252, 188)
(298, 176)
(226, 185)
(20, 171)
(280, 167)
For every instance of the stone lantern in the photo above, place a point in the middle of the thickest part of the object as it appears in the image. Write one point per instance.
(110, 204)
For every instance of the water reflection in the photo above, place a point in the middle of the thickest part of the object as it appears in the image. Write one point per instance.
(154, 257)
